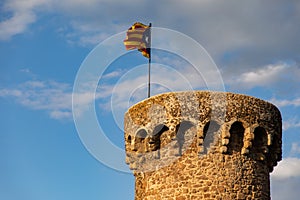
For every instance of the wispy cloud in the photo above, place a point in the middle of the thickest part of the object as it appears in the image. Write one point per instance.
(131, 86)
(291, 123)
(51, 96)
(286, 105)
(114, 74)
(266, 76)
(55, 98)
(285, 102)
(58, 114)
(22, 15)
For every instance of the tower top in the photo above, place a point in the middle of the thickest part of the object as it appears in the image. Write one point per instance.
(154, 124)
(202, 145)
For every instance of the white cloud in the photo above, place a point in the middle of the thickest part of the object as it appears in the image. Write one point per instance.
(113, 74)
(252, 41)
(291, 123)
(264, 76)
(286, 105)
(22, 15)
(220, 26)
(51, 96)
(282, 103)
(57, 114)
(282, 76)
(285, 179)
(287, 168)
(16, 24)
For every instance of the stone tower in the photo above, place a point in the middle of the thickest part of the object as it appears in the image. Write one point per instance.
(202, 145)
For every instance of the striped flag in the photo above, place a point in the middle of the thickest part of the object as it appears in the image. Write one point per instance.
(138, 37)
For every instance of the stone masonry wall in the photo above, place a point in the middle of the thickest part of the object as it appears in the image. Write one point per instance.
(202, 145)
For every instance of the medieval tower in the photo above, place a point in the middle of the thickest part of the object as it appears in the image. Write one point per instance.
(202, 145)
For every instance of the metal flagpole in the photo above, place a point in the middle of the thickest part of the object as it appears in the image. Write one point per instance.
(149, 60)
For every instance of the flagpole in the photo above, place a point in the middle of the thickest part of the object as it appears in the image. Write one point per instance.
(149, 61)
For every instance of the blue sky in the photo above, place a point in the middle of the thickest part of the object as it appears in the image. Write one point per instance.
(46, 44)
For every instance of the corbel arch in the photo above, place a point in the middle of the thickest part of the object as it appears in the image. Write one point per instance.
(181, 134)
(138, 141)
(210, 135)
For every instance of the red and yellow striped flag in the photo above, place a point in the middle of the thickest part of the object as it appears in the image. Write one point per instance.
(138, 37)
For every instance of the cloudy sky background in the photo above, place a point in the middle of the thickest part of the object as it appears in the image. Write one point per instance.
(43, 43)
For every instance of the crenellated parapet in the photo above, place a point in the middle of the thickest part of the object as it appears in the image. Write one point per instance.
(198, 131)
(222, 122)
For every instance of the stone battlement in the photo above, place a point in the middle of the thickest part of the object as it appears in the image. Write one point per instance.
(200, 130)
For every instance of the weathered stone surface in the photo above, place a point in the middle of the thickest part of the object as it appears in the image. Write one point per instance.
(202, 145)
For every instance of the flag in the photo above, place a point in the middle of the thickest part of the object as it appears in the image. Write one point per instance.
(138, 37)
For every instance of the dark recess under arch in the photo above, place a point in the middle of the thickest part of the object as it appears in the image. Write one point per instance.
(236, 137)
